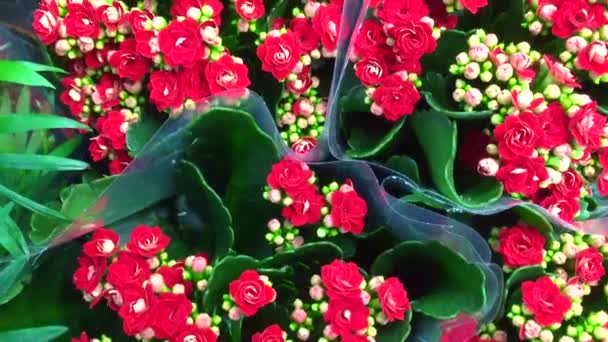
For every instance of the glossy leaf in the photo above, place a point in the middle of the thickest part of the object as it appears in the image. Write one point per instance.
(11, 237)
(226, 271)
(41, 334)
(140, 133)
(404, 165)
(438, 94)
(451, 43)
(19, 73)
(31, 205)
(522, 274)
(17, 123)
(23, 161)
(533, 218)
(397, 331)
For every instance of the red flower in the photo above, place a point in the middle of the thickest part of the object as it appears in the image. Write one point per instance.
(587, 126)
(290, 175)
(250, 10)
(306, 38)
(129, 270)
(518, 136)
(170, 314)
(107, 91)
(114, 127)
(181, 43)
(603, 157)
(544, 299)
(326, 24)
(589, 266)
(89, 273)
(72, 96)
(370, 40)
(413, 38)
(302, 83)
(147, 241)
(473, 5)
(393, 299)
(83, 338)
(304, 145)
(46, 22)
(346, 316)
(306, 207)
(138, 20)
(250, 293)
(440, 15)
(397, 97)
(573, 15)
(112, 15)
(147, 43)
(104, 243)
(128, 62)
(98, 148)
(165, 90)
(226, 74)
(194, 83)
(560, 73)
(81, 20)
(371, 71)
(136, 308)
(520, 246)
(193, 334)
(565, 208)
(348, 209)
(120, 162)
(173, 276)
(593, 58)
(393, 11)
(570, 185)
(342, 280)
(554, 124)
(522, 176)
(180, 8)
(273, 333)
(279, 54)
(602, 183)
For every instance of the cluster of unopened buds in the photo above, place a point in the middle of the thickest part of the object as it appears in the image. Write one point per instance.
(151, 293)
(115, 51)
(341, 290)
(334, 208)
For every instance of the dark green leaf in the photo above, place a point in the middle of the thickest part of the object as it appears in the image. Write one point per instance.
(522, 274)
(451, 43)
(31, 205)
(11, 237)
(404, 165)
(19, 73)
(11, 274)
(67, 147)
(41, 334)
(533, 218)
(440, 282)
(438, 94)
(41, 67)
(397, 331)
(17, 123)
(141, 132)
(23, 161)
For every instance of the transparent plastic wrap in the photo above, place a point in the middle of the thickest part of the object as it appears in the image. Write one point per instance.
(150, 180)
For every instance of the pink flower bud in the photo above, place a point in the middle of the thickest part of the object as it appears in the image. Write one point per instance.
(139, 306)
(274, 225)
(532, 329)
(375, 282)
(311, 7)
(492, 91)
(575, 44)
(178, 289)
(303, 334)
(524, 99)
(598, 53)
(570, 250)
(327, 222)
(299, 315)
(574, 291)
(303, 107)
(153, 262)
(365, 297)
(316, 292)
(499, 336)
(491, 40)
(473, 97)
(199, 264)
(147, 334)
(546, 336)
(561, 274)
(86, 44)
(598, 241)
(203, 321)
(157, 282)
(546, 12)
(562, 150)
(201, 285)
(234, 313)
(376, 109)
(274, 196)
(479, 53)
(315, 280)
(298, 241)
(471, 71)
(62, 47)
(520, 61)
(458, 94)
(288, 119)
(321, 107)
(504, 72)
(535, 28)
(194, 13)
(329, 333)
(243, 25)
(488, 167)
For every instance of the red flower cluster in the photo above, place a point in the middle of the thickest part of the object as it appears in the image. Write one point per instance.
(544, 299)
(388, 49)
(150, 296)
(112, 49)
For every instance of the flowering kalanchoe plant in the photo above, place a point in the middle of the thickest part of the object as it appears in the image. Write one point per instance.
(151, 293)
(333, 209)
(248, 294)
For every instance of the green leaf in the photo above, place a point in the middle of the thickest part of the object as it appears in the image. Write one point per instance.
(11, 237)
(141, 132)
(41, 334)
(438, 94)
(12, 274)
(19, 73)
(67, 147)
(31, 205)
(522, 274)
(404, 165)
(235, 157)
(23, 161)
(227, 270)
(437, 136)
(533, 218)
(17, 123)
(440, 282)
(397, 331)
(208, 206)
(451, 43)
(41, 67)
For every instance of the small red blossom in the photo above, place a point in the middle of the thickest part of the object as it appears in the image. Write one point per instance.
(273, 333)
(347, 315)
(181, 43)
(590, 266)
(393, 299)
(290, 175)
(342, 280)
(306, 207)
(546, 302)
(128, 270)
(397, 97)
(147, 241)
(89, 273)
(250, 293)
(226, 74)
(521, 245)
(348, 210)
(104, 243)
(169, 314)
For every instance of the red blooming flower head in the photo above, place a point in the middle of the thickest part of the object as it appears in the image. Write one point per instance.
(304, 145)
(546, 302)
(306, 207)
(342, 280)
(136, 308)
(180, 8)
(114, 127)
(128, 62)
(570, 185)
(170, 314)
(147, 241)
(518, 136)
(554, 124)
(250, 10)
(46, 21)
(522, 176)
(81, 20)
(128, 270)
(602, 183)
(279, 54)
(560, 73)
(397, 97)
(473, 5)
(273, 333)
(72, 96)
(181, 43)
(439, 13)
(89, 273)
(326, 24)
(193, 334)
(104, 243)
(290, 175)
(107, 91)
(593, 58)
(98, 148)
(348, 209)
(393, 299)
(521, 245)
(173, 276)
(83, 338)
(574, 15)
(306, 38)
(165, 90)
(587, 126)
(371, 71)
(251, 293)
(413, 39)
(370, 40)
(590, 266)
(564, 207)
(194, 83)
(120, 162)
(392, 11)
(138, 20)
(301, 83)
(346, 315)
(111, 15)
(226, 74)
